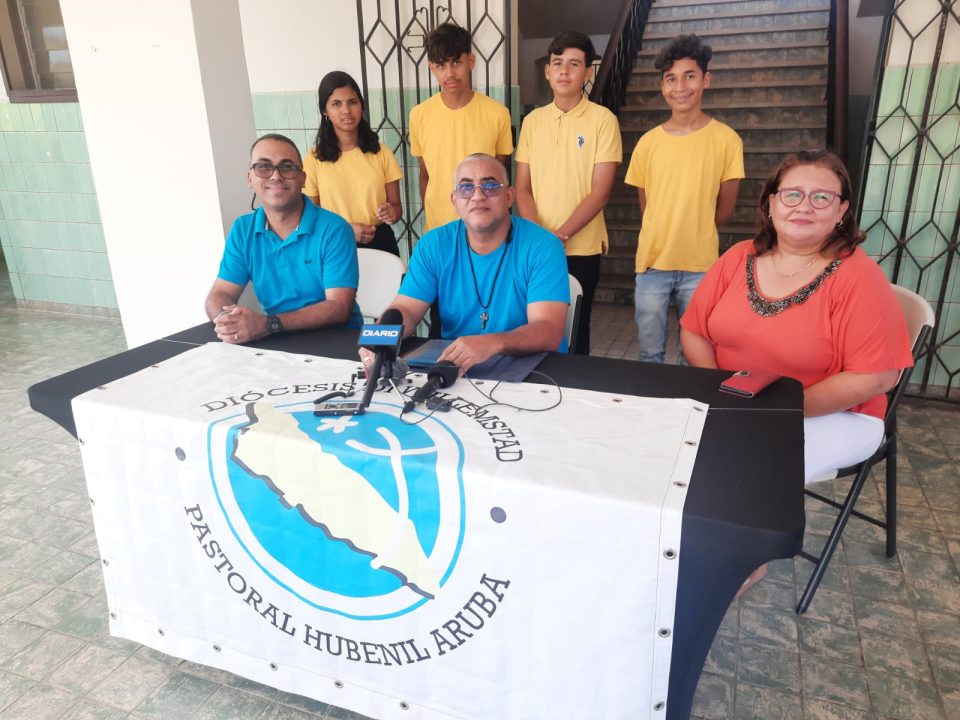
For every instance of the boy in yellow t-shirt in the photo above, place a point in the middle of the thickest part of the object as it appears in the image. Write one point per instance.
(567, 155)
(687, 172)
(454, 123)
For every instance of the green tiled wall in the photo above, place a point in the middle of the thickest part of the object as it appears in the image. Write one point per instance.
(49, 216)
(929, 222)
(295, 115)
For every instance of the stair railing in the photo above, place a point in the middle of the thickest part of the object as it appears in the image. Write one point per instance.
(610, 87)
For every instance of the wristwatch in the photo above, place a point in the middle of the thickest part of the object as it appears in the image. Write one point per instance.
(274, 324)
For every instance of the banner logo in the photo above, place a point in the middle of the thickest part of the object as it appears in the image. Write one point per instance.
(362, 516)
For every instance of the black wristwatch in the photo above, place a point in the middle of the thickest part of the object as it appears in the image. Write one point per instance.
(274, 324)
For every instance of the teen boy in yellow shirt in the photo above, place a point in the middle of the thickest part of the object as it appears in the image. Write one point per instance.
(687, 172)
(454, 123)
(567, 155)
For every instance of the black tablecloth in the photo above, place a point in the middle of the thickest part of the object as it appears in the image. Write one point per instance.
(745, 502)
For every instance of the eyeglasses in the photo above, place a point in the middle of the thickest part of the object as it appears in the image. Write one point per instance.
(265, 170)
(819, 199)
(465, 190)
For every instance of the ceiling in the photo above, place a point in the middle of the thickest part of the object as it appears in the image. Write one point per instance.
(546, 18)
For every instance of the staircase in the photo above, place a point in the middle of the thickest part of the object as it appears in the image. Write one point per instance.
(769, 83)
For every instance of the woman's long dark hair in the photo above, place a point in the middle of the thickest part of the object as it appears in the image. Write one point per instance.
(326, 146)
(845, 237)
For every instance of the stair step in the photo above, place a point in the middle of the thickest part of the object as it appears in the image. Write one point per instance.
(616, 281)
(708, 5)
(726, 32)
(727, 49)
(734, 98)
(775, 18)
(742, 118)
(659, 18)
(723, 84)
(647, 68)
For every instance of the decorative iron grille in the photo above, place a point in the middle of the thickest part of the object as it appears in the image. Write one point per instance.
(909, 198)
(394, 59)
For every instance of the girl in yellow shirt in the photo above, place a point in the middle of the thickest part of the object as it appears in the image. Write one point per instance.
(349, 171)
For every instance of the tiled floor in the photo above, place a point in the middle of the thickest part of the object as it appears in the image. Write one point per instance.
(881, 641)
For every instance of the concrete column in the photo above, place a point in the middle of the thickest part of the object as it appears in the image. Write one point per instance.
(168, 118)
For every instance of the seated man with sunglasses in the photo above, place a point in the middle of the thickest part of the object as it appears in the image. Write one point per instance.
(500, 281)
(302, 259)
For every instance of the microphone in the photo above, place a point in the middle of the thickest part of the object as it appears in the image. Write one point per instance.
(384, 339)
(441, 375)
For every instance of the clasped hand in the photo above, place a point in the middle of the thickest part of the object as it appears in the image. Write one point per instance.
(238, 324)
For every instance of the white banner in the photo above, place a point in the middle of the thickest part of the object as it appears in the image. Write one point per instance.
(487, 562)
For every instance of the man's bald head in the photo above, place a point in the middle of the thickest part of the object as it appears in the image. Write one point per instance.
(489, 166)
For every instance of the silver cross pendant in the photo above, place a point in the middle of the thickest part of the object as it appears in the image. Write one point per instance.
(483, 320)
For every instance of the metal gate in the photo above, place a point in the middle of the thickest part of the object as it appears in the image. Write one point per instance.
(909, 199)
(396, 74)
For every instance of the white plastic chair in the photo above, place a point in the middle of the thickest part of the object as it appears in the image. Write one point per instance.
(380, 275)
(573, 313)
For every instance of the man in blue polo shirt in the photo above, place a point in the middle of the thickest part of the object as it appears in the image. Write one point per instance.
(500, 281)
(302, 259)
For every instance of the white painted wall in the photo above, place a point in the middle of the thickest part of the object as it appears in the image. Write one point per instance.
(289, 46)
(3, 89)
(168, 117)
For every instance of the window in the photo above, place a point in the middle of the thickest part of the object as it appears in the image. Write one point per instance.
(34, 52)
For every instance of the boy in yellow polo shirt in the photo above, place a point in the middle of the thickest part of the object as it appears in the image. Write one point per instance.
(454, 123)
(687, 173)
(567, 155)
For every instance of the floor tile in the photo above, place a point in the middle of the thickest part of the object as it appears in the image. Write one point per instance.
(16, 635)
(764, 703)
(946, 666)
(84, 669)
(881, 616)
(86, 709)
(714, 698)
(53, 607)
(769, 667)
(230, 703)
(722, 658)
(829, 642)
(43, 655)
(180, 695)
(903, 698)
(762, 626)
(834, 682)
(131, 683)
(41, 702)
(822, 710)
(12, 687)
(896, 656)
(276, 711)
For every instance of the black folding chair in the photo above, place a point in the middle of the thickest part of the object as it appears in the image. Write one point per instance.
(920, 319)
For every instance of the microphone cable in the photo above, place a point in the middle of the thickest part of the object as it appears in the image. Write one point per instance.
(493, 401)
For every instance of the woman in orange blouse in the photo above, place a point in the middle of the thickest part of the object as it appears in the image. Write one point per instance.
(802, 300)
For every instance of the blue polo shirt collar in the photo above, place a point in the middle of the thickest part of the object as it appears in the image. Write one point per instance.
(308, 221)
